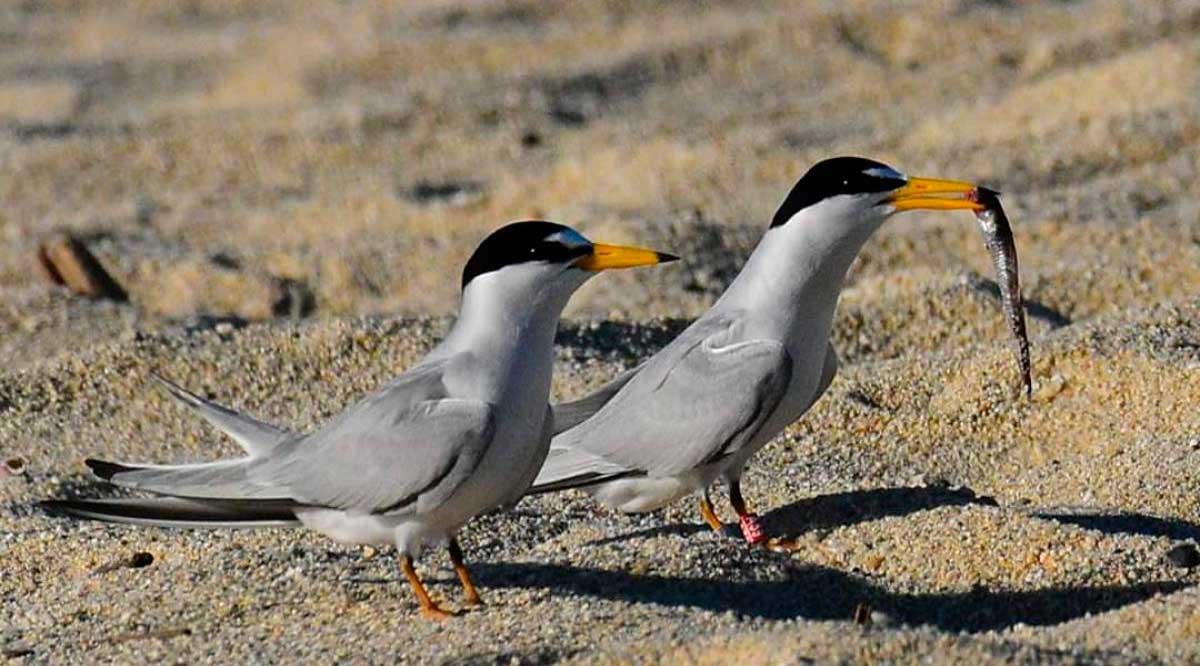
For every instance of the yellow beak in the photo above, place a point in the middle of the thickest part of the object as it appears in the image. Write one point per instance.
(934, 194)
(604, 257)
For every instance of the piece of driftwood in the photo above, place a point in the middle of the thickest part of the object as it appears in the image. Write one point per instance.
(66, 260)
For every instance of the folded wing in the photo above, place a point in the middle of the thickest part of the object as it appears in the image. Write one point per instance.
(406, 447)
(567, 415)
(389, 461)
(698, 400)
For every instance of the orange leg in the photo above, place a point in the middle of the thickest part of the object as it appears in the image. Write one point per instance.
(464, 576)
(709, 514)
(428, 608)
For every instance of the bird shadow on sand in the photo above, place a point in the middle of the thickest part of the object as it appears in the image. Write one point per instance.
(830, 511)
(860, 506)
(1127, 523)
(820, 593)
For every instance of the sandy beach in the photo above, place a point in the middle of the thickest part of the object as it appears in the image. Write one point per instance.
(288, 192)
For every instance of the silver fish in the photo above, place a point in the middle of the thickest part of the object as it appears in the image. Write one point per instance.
(998, 236)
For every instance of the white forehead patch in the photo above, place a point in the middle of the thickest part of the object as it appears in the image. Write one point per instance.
(885, 172)
(570, 238)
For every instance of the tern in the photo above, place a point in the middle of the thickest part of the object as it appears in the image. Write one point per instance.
(462, 432)
(754, 363)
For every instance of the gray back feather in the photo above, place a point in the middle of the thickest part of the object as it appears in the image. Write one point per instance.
(405, 448)
(699, 399)
(567, 415)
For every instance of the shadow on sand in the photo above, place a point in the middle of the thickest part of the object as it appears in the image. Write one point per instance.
(1127, 523)
(860, 506)
(820, 593)
(829, 511)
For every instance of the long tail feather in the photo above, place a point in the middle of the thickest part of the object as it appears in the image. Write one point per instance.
(224, 480)
(179, 512)
(254, 436)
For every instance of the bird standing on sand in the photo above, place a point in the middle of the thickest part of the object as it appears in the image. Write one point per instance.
(754, 363)
(461, 433)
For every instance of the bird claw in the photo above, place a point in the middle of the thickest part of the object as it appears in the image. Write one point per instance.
(437, 613)
(752, 530)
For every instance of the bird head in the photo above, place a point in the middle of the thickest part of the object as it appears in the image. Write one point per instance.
(537, 255)
(858, 192)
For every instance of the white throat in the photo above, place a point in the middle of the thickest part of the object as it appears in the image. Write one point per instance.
(507, 320)
(792, 280)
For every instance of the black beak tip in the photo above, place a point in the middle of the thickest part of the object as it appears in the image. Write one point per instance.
(664, 257)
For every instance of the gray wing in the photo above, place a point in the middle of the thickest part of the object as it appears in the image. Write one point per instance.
(567, 415)
(406, 447)
(531, 471)
(700, 399)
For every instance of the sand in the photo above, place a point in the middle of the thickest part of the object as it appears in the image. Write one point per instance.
(289, 193)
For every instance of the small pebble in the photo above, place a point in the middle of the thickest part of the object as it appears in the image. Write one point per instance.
(1050, 388)
(141, 559)
(1185, 556)
(137, 560)
(531, 139)
(873, 563)
(16, 651)
(12, 467)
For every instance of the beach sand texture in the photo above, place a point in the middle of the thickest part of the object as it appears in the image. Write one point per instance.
(288, 192)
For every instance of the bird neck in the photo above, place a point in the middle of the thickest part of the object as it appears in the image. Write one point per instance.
(510, 329)
(791, 282)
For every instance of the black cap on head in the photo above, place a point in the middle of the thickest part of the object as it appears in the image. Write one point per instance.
(522, 242)
(834, 176)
